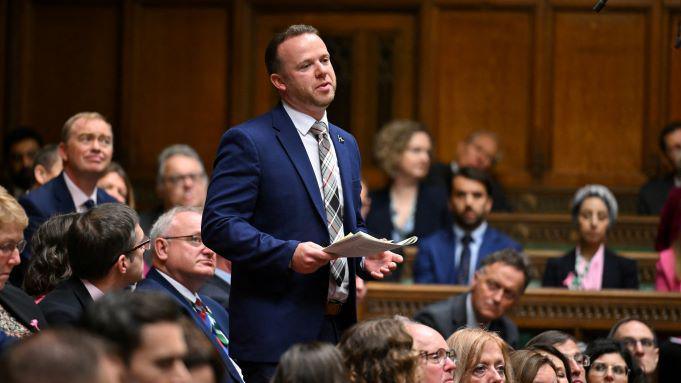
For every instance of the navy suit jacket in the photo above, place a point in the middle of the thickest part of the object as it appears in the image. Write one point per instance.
(157, 283)
(435, 260)
(263, 200)
(618, 272)
(66, 303)
(51, 199)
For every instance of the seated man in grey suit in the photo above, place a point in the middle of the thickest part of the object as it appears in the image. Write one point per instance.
(496, 287)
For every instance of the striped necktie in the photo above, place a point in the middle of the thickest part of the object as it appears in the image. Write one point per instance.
(207, 317)
(332, 205)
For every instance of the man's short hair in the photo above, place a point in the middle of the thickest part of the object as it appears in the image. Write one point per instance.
(272, 61)
(98, 237)
(510, 257)
(19, 134)
(176, 150)
(120, 317)
(667, 130)
(159, 228)
(66, 130)
(55, 356)
(475, 175)
(625, 320)
(47, 156)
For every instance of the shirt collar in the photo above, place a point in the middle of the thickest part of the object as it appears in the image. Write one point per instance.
(225, 276)
(78, 196)
(188, 295)
(94, 291)
(476, 234)
(302, 121)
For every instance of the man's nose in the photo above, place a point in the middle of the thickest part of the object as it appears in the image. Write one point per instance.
(449, 365)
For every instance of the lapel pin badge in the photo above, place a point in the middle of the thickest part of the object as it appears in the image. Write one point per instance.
(340, 139)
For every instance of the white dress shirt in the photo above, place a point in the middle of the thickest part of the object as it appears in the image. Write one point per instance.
(78, 196)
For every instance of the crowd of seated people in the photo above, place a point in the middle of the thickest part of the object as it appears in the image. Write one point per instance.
(174, 326)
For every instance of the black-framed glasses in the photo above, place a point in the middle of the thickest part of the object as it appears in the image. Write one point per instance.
(632, 342)
(438, 356)
(8, 248)
(579, 358)
(145, 244)
(601, 368)
(193, 239)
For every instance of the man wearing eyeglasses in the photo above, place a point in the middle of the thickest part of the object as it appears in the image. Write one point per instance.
(181, 266)
(105, 246)
(86, 149)
(641, 343)
(437, 361)
(495, 289)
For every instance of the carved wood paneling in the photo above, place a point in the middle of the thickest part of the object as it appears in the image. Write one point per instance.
(674, 87)
(540, 308)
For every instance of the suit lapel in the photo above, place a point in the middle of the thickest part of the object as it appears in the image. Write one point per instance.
(610, 271)
(290, 140)
(62, 196)
(445, 257)
(80, 291)
(488, 239)
(19, 310)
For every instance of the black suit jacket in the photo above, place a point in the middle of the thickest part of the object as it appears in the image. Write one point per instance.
(66, 303)
(618, 272)
(218, 290)
(22, 308)
(450, 315)
(653, 194)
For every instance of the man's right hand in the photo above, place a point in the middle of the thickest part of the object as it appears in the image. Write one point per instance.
(309, 257)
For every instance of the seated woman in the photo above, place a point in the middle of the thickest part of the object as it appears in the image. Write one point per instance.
(592, 266)
(482, 357)
(610, 362)
(668, 268)
(560, 362)
(311, 363)
(19, 315)
(533, 367)
(116, 183)
(379, 351)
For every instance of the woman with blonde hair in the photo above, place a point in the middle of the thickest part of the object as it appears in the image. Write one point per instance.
(482, 355)
(380, 351)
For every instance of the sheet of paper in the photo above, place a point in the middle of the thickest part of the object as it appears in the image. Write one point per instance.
(361, 244)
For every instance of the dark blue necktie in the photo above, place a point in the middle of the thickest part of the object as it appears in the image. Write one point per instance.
(465, 259)
(89, 204)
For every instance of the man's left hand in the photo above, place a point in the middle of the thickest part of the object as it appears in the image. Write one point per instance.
(381, 264)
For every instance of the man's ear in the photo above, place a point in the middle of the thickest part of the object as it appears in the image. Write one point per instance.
(39, 173)
(278, 82)
(122, 264)
(161, 249)
(61, 149)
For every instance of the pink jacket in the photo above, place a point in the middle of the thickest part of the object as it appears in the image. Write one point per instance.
(665, 278)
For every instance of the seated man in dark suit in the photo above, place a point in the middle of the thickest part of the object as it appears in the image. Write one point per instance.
(653, 193)
(86, 148)
(181, 180)
(496, 287)
(148, 332)
(480, 150)
(182, 264)
(105, 247)
(451, 255)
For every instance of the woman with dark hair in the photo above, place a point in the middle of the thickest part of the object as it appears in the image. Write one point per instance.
(311, 363)
(591, 265)
(379, 351)
(610, 362)
(560, 362)
(116, 183)
(483, 357)
(532, 367)
(566, 344)
(49, 263)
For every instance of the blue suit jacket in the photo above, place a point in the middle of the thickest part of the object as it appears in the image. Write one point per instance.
(155, 282)
(263, 200)
(51, 199)
(435, 260)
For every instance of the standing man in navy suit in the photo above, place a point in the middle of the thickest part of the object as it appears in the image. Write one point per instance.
(452, 255)
(285, 185)
(182, 265)
(86, 149)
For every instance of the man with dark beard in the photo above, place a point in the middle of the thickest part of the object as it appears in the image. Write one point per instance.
(20, 148)
(452, 255)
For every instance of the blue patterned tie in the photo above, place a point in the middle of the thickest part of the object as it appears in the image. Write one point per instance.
(465, 259)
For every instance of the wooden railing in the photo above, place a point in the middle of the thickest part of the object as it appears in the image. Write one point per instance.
(540, 308)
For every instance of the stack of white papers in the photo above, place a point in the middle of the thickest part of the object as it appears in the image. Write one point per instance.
(361, 244)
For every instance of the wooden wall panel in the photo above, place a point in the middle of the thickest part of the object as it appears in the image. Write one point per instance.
(485, 75)
(70, 64)
(177, 83)
(3, 62)
(599, 98)
(674, 84)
